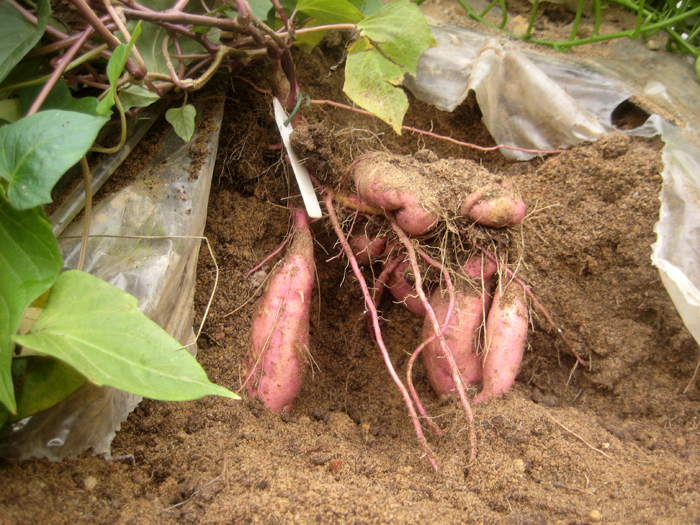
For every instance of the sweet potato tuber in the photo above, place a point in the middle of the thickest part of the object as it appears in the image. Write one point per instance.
(403, 291)
(367, 249)
(506, 332)
(385, 186)
(462, 331)
(495, 205)
(280, 332)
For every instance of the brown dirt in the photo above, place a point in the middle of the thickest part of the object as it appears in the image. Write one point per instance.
(617, 444)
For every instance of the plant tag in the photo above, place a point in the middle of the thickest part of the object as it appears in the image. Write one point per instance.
(300, 172)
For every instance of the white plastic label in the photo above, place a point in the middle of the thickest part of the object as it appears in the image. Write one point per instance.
(300, 172)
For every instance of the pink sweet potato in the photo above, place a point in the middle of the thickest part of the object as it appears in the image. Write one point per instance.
(403, 291)
(495, 205)
(506, 333)
(366, 249)
(276, 358)
(380, 184)
(461, 334)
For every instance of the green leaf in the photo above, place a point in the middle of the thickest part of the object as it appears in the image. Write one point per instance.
(368, 7)
(100, 331)
(18, 34)
(137, 97)
(41, 383)
(391, 43)
(59, 98)
(10, 110)
(30, 261)
(182, 120)
(260, 9)
(324, 12)
(37, 150)
(308, 41)
(370, 81)
(330, 11)
(400, 32)
(214, 35)
(114, 70)
(25, 71)
(152, 52)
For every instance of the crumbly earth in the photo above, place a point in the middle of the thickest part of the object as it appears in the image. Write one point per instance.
(618, 443)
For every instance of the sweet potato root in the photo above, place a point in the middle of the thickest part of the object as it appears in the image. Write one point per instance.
(420, 193)
(506, 332)
(280, 330)
(461, 333)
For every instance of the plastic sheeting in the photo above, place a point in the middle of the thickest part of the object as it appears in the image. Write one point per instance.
(167, 199)
(539, 101)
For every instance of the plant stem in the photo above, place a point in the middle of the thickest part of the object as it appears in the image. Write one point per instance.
(78, 61)
(122, 139)
(118, 21)
(560, 45)
(60, 69)
(226, 24)
(106, 35)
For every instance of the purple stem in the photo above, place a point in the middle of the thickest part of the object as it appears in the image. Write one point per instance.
(60, 69)
(369, 304)
(109, 39)
(180, 5)
(283, 15)
(245, 13)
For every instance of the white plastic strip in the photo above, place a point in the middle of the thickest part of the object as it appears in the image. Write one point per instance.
(300, 172)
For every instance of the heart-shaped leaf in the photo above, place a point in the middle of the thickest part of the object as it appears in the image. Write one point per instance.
(370, 82)
(390, 45)
(137, 97)
(100, 331)
(37, 150)
(182, 120)
(400, 33)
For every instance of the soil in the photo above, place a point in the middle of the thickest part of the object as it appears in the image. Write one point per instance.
(615, 443)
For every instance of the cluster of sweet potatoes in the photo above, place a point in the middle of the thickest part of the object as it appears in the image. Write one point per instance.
(483, 324)
(482, 320)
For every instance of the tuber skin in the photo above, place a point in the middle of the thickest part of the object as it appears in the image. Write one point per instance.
(462, 330)
(276, 357)
(367, 249)
(403, 291)
(383, 192)
(506, 334)
(496, 206)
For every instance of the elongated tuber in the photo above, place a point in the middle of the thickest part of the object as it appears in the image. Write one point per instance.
(276, 358)
(462, 330)
(506, 332)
